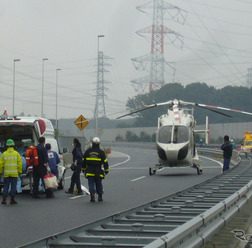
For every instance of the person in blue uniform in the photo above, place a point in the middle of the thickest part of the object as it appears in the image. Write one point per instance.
(53, 159)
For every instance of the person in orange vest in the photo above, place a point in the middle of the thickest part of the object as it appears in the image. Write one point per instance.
(11, 163)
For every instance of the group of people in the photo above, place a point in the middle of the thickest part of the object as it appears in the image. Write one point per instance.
(11, 166)
(48, 161)
(90, 163)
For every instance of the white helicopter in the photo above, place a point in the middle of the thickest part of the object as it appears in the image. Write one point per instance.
(175, 135)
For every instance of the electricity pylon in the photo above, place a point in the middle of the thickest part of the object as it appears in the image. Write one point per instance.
(155, 61)
(100, 110)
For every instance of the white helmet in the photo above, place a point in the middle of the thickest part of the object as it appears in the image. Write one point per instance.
(96, 140)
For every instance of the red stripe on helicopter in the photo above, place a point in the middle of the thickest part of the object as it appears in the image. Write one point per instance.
(176, 114)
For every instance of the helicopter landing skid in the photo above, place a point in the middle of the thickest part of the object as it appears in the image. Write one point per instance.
(198, 168)
(152, 171)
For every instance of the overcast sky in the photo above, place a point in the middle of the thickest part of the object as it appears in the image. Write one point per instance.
(217, 50)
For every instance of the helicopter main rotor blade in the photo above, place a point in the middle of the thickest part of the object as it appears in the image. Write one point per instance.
(143, 109)
(215, 111)
(180, 102)
(146, 107)
(211, 107)
(215, 107)
(221, 108)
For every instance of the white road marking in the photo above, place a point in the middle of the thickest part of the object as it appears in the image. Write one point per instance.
(139, 178)
(210, 167)
(112, 166)
(121, 155)
(128, 158)
(114, 154)
(131, 168)
(75, 197)
(216, 161)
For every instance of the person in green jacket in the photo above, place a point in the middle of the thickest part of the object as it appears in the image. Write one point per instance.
(11, 163)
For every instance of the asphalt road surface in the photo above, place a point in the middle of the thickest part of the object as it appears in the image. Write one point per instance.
(127, 185)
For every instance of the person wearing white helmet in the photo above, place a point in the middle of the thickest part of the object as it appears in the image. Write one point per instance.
(96, 140)
(93, 160)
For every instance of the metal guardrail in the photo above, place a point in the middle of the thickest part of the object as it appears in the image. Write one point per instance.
(218, 154)
(199, 230)
(186, 219)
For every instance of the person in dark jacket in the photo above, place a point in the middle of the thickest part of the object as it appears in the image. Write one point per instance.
(93, 160)
(227, 152)
(77, 160)
(41, 170)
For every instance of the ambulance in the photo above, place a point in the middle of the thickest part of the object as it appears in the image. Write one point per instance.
(25, 131)
(247, 142)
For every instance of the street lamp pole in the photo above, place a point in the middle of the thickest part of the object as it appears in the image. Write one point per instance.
(97, 86)
(13, 97)
(42, 97)
(57, 98)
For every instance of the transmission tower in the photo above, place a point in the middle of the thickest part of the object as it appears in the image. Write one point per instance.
(155, 61)
(100, 110)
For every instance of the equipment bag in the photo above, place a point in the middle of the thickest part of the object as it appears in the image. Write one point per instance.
(31, 156)
(50, 181)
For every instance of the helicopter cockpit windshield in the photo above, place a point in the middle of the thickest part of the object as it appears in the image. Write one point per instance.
(173, 134)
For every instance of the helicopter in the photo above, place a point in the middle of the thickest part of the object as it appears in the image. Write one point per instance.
(175, 135)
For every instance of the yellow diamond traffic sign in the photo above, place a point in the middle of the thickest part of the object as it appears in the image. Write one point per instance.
(81, 122)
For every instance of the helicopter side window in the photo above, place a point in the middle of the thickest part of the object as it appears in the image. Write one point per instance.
(180, 134)
(165, 134)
